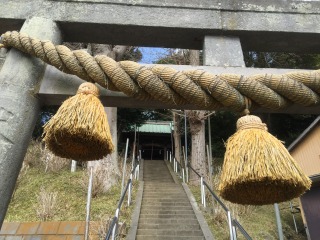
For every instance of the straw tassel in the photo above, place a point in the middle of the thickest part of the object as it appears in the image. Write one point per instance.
(258, 169)
(79, 130)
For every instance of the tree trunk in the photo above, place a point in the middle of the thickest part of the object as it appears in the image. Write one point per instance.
(194, 57)
(177, 138)
(198, 157)
(197, 130)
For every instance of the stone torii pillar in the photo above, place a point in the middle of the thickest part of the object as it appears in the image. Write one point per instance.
(20, 79)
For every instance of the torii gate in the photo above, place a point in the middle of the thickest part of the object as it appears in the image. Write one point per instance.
(222, 28)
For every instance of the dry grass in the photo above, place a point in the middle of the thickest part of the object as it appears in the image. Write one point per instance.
(34, 155)
(46, 205)
(53, 163)
(217, 213)
(97, 182)
(102, 226)
(70, 203)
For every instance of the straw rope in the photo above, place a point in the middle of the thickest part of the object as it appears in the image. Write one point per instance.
(197, 87)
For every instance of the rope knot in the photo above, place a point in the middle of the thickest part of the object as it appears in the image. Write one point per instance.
(249, 122)
(88, 88)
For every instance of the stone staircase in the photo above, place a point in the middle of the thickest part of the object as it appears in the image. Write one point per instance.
(166, 212)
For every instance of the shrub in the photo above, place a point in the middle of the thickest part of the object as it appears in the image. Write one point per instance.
(46, 205)
(34, 154)
(53, 163)
(97, 182)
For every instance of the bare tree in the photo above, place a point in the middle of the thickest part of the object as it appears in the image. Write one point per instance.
(177, 136)
(197, 129)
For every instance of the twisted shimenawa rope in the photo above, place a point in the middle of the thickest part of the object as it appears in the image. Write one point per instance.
(197, 87)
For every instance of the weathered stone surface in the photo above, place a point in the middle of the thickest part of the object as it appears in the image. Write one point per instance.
(19, 106)
(261, 25)
(3, 54)
(221, 51)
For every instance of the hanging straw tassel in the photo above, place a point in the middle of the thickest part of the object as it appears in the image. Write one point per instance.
(79, 130)
(258, 169)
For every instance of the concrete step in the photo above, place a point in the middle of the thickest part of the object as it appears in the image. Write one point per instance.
(164, 190)
(155, 179)
(158, 180)
(168, 208)
(164, 176)
(166, 237)
(165, 211)
(168, 216)
(171, 221)
(169, 226)
(153, 184)
(157, 188)
(169, 198)
(170, 202)
(165, 204)
(156, 185)
(169, 232)
(164, 195)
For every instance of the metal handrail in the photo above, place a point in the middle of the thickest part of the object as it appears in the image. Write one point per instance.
(114, 225)
(216, 197)
(124, 192)
(242, 230)
(177, 166)
(114, 221)
(232, 222)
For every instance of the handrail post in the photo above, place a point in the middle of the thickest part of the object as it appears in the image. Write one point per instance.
(124, 166)
(294, 219)
(176, 165)
(89, 204)
(170, 156)
(137, 172)
(184, 180)
(201, 189)
(278, 219)
(129, 193)
(230, 225)
(116, 225)
(234, 230)
(187, 174)
(204, 195)
(176, 162)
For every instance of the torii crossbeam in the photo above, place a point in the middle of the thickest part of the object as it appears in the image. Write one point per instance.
(286, 26)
